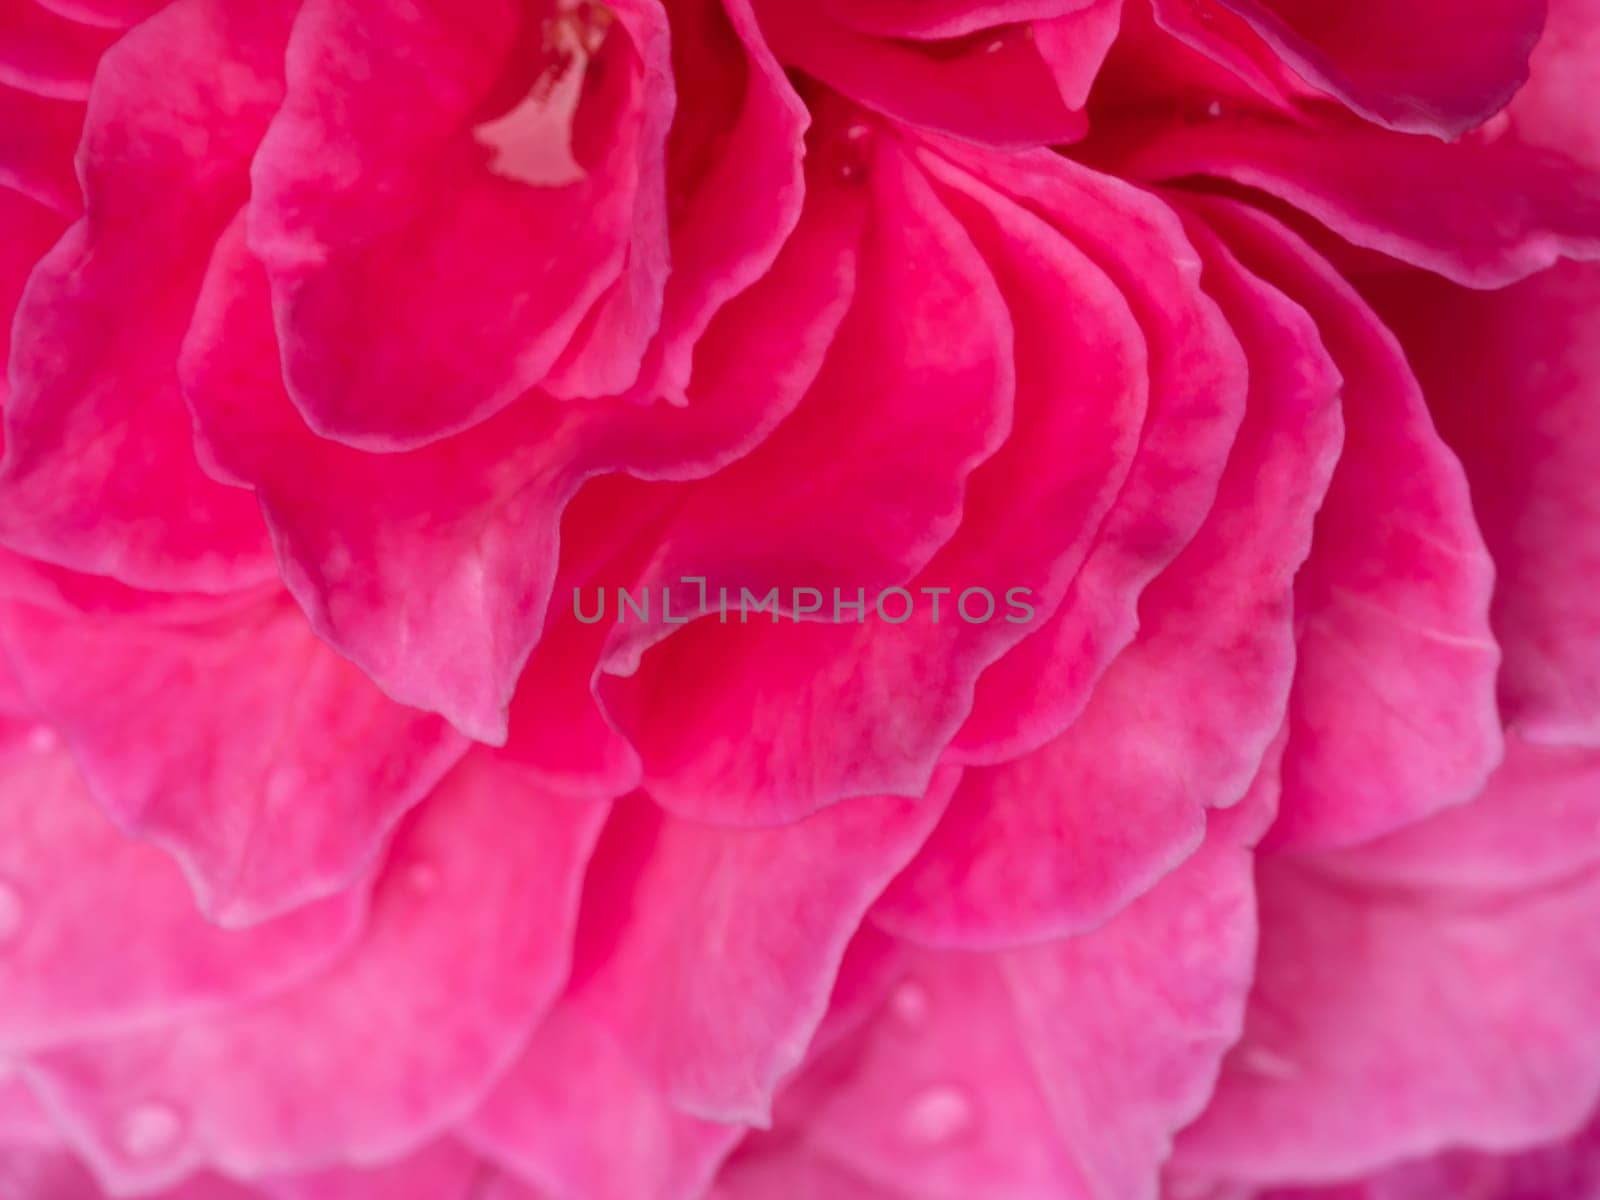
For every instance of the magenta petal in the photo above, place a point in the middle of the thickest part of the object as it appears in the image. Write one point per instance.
(36, 157)
(995, 86)
(717, 1019)
(1511, 377)
(420, 284)
(267, 764)
(1197, 398)
(928, 322)
(739, 132)
(466, 945)
(1485, 211)
(1393, 714)
(442, 1170)
(355, 531)
(94, 421)
(1057, 841)
(1429, 66)
(47, 53)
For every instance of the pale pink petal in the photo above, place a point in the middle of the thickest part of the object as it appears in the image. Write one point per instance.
(1058, 1071)
(1399, 1010)
(577, 1117)
(267, 764)
(121, 946)
(466, 946)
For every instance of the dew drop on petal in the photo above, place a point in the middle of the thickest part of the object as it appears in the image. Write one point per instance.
(909, 1002)
(1268, 1064)
(422, 877)
(42, 739)
(937, 1114)
(149, 1129)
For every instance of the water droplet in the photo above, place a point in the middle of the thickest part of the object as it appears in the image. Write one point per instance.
(995, 46)
(422, 877)
(853, 152)
(1214, 109)
(12, 912)
(910, 1003)
(1268, 1064)
(149, 1129)
(938, 1114)
(42, 739)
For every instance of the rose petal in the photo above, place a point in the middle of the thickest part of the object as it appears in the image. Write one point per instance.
(466, 945)
(269, 766)
(121, 947)
(1511, 378)
(1393, 713)
(1054, 843)
(716, 1020)
(559, 1117)
(94, 420)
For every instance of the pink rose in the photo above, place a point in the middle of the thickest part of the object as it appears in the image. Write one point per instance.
(1159, 439)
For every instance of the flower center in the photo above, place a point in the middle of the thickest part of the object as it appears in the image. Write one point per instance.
(532, 143)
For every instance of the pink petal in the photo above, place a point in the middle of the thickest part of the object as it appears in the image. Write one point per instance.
(1056, 842)
(442, 1170)
(466, 946)
(993, 85)
(267, 764)
(1486, 211)
(1197, 398)
(924, 20)
(739, 132)
(1436, 67)
(715, 1020)
(47, 54)
(420, 284)
(1393, 713)
(1398, 1010)
(574, 1099)
(987, 1074)
(100, 935)
(36, 156)
(356, 531)
(94, 420)
(1511, 377)
(895, 498)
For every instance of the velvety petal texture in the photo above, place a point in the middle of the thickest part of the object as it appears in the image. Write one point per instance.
(850, 600)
